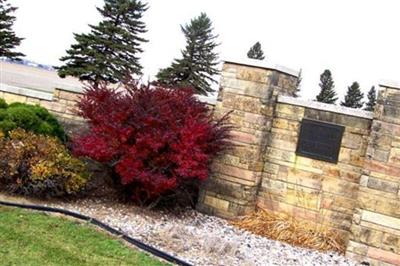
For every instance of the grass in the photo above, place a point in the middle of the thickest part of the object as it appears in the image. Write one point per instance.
(287, 229)
(30, 238)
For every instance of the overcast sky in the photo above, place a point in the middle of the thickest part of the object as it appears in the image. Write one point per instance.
(358, 40)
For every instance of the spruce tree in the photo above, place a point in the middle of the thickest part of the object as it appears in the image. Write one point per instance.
(199, 61)
(110, 51)
(353, 97)
(8, 39)
(327, 93)
(256, 52)
(370, 105)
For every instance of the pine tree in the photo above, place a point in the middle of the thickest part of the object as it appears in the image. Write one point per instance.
(327, 93)
(353, 97)
(298, 83)
(370, 105)
(256, 52)
(8, 39)
(110, 51)
(199, 61)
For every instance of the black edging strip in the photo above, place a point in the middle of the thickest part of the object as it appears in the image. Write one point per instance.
(154, 251)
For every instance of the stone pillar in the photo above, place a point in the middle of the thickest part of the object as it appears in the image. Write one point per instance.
(249, 89)
(375, 232)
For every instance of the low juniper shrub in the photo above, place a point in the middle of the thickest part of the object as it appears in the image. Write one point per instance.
(32, 118)
(158, 141)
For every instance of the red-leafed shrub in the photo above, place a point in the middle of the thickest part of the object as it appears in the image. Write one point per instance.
(155, 139)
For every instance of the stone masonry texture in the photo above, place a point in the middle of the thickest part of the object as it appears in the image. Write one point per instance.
(357, 197)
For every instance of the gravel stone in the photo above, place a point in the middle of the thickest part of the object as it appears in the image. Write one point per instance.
(200, 239)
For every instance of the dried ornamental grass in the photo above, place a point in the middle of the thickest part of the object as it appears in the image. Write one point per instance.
(287, 229)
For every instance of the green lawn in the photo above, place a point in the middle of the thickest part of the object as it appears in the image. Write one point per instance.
(30, 238)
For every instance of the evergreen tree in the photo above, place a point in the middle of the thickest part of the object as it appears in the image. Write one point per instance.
(327, 93)
(298, 83)
(371, 99)
(353, 97)
(8, 39)
(256, 52)
(199, 60)
(110, 51)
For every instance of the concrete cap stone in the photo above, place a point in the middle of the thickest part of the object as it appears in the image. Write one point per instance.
(326, 107)
(390, 84)
(42, 95)
(262, 64)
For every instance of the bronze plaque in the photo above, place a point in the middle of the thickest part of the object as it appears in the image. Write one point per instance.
(319, 140)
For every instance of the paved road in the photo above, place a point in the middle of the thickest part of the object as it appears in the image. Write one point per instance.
(38, 79)
(34, 78)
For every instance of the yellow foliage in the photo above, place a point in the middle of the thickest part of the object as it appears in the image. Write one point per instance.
(39, 165)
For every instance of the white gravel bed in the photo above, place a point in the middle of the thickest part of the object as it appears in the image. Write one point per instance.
(200, 239)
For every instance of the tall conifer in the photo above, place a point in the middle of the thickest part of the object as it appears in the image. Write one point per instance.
(370, 105)
(353, 97)
(327, 93)
(8, 39)
(111, 50)
(256, 52)
(199, 61)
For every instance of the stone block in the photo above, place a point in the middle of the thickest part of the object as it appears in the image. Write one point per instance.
(12, 98)
(390, 207)
(394, 156)
(370, 237)
(381, 219)
(391, 243)
(240, 210)
(339, 187)
(383, 185)
(236, 172)
(216, 203)
(357, 248)
(32, 101)
(352, 141)
(271, 168)
(225, 186)
(286, 124)
(286, 156)
(289, 109)
(70, 96)
(384, 256)
(380, 155)
(303, 197)
(304, 178)
(285, 145)
(364, 180)
(274, 186)
(242, 103)
(383, 168)
(337, 203)
(337, 220)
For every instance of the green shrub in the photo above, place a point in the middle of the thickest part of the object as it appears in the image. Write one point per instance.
(3, 104)
(31, 118)
(40, 166)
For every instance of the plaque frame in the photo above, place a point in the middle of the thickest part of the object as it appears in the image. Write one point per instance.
(308, 144)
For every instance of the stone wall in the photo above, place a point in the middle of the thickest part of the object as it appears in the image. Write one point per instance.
(375, 231)
(314, 190)
(248, 89)
(358, 196)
